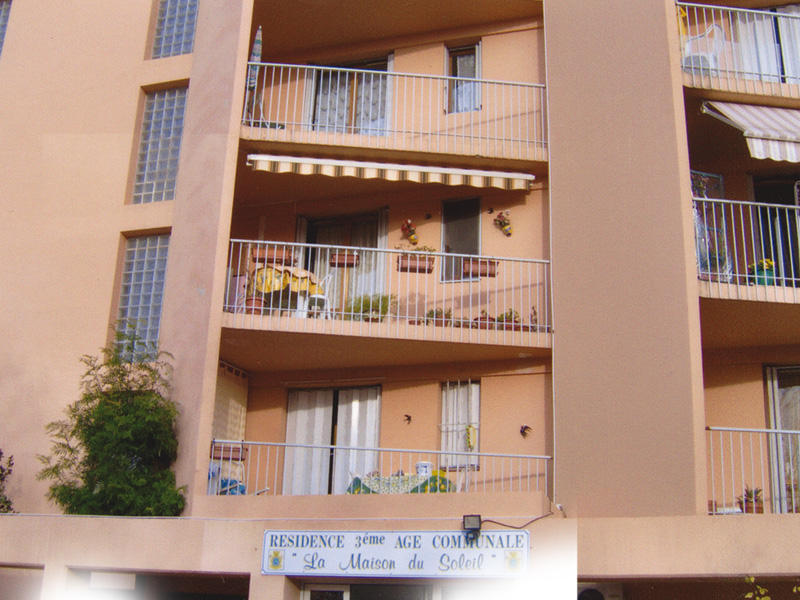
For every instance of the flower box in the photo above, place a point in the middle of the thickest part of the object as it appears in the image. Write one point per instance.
(274, 255)
(344, 258)
(479, 267)
(415, 263)
(228, 452)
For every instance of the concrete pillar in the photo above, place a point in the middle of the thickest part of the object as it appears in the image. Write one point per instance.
(626, 361)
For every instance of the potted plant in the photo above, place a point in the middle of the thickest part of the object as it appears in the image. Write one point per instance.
(762, 272)
(368, 307)
(483, 321)
(751, 501)
(344, 258)
(479, 267)
(416, 260)
(439, 316)
(509, 320)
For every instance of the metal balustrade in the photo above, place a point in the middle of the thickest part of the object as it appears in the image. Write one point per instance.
(398, 111)
(748, 250)
(439, 296)
(281, 469)
(741, 461)
(741, 50)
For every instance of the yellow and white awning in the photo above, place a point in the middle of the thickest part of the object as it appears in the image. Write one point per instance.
(390, 171)
(771, 132)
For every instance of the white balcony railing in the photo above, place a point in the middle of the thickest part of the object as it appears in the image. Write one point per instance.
(767, 460)
(280, 469)
(388, 293)
(747, 51)
(736, 241)
(396, 111)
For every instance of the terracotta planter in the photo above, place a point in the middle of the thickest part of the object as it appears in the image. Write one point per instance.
(411, 263)
(274, 255)
(475, 267)
(253, 305)
(228, 452)
(751, 507)
(344, 258)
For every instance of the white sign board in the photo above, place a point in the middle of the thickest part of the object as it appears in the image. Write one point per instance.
(395, 553)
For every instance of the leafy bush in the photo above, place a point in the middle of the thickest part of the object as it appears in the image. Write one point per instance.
(113, 452)
(5, 471)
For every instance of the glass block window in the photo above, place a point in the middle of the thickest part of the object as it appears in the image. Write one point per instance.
(142, 288)
(162, 126)
(5, 8)
(175, 28)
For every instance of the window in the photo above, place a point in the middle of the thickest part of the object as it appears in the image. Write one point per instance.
(464, 63)
(325, 418)
(5, 8)
(175, 28)
(460, 235)
(352, 100)
(162, 126)
(783, 385)
(461, 407)
(143, 287)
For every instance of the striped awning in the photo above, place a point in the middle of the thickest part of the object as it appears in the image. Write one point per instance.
(770, 132)
(390, 171)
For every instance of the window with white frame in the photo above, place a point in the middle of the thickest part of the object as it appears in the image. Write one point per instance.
(461, 408)
(140, 298)
(464, 63)
(175, 28)
(159, 149)
(5, 9)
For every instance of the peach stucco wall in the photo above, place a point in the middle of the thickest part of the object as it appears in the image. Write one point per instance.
(68, 126)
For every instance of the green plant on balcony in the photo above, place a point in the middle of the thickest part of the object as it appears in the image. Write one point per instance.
(368, 307)
(439, 316)
(510, 316)
(751, 501)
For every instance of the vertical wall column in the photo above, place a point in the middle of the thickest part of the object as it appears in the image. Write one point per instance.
(192, 314)
(626, 360)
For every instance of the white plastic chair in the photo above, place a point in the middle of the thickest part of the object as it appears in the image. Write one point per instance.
(701, 52)
(320, 304)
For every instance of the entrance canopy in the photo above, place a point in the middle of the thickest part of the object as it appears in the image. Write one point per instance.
(770, 132)
(390, 171)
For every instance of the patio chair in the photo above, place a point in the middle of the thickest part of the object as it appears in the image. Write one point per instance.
(701, 52)
(319, 304)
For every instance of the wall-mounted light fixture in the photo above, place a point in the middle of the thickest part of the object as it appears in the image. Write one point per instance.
(472, 526)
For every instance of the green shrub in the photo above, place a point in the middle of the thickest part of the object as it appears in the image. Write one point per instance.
(113, 452)
(5, 471)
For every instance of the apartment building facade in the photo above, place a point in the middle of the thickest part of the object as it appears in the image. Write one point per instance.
(525, 267)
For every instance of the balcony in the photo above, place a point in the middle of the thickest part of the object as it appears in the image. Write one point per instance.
(392, 111)
(738, 50)
(747, 251)
(279, 469)
(357, 291)
(741, 459)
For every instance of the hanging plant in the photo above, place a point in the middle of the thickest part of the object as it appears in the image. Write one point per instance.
(503, 221)
(410, 231)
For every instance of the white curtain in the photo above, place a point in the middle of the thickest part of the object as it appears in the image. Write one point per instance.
(358, 419)
(371, 102)
(309, 420)
(332, 101)
(789, 30)
(461, 401)
(785, 399)
(758, 47)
